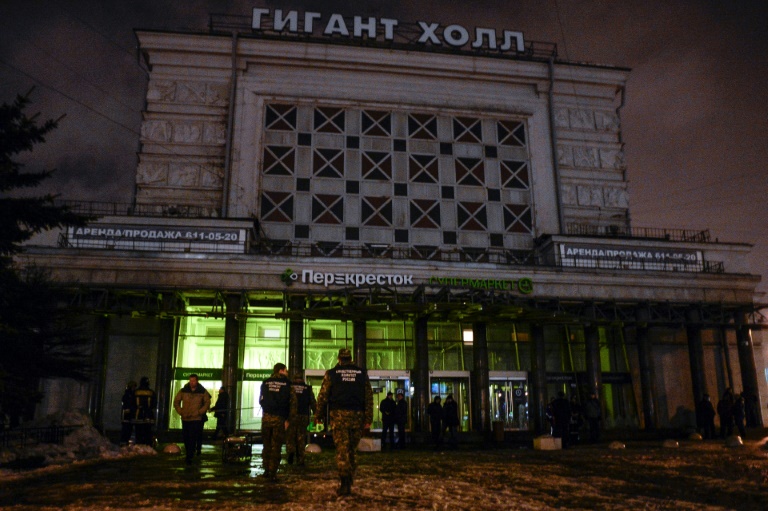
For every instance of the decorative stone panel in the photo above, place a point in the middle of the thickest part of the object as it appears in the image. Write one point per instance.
(581, 119)
(616, 197)
(188, 92)
(590, 196)
(607, 121)
(565, 155)
(586, 157)
(612, 159)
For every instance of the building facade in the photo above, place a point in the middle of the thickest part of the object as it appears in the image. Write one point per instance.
(459, 217)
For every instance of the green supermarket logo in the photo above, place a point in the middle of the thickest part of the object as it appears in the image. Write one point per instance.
(289, 276)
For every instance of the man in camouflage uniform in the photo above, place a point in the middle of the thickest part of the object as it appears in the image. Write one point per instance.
(347, 392)
(297, 429)
(279, 403)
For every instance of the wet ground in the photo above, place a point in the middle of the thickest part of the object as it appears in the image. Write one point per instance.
(645, 475)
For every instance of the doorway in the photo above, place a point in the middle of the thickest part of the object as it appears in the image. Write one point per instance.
(455, 383)
(509, 398)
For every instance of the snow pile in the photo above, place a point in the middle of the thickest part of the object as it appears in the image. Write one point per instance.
(83, 443)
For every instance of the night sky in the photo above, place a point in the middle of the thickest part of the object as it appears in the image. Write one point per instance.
(695, 121)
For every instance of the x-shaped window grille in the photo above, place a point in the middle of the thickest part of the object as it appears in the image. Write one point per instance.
(376, 124)
(511, 133)
(329, 120)
(377, 166)
(328, 209)
(276, 207)
(280, 117)
(422, 126)
(517, 218)
(423, 168)
(328, 163)
(377, 211)
(279, 161)
(470, 172)
(472, 216)
(514, 174)
(467, 129)
(425, 214)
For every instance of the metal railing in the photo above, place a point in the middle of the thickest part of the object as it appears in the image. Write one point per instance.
(620, 231)
(22, 437)
(97, 208)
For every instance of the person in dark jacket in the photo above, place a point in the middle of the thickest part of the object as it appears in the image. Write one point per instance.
(561, 414)
(706, 417)
(346, 391)
(451, 420)
(401, 417)
(725, 411)
(128, 413)
(191, 403)
(297, 429)
(220, 410)
(435, 412)
(279, 403)
(387, 409)
(146, 402)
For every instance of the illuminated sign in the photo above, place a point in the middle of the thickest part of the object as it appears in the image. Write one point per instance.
(524, 285)
(346, 279)
(371, 28)
(629, 257)
(203, 374)
(289, 276)
(158, 238)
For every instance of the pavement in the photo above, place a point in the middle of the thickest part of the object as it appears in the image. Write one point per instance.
(696, 475)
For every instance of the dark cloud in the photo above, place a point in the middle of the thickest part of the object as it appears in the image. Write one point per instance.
(694, 123)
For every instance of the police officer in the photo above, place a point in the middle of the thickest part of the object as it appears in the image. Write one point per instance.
(297, 429)
(347, 392)
(279, 403)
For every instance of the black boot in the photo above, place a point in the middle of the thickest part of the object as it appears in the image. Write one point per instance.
(345, 486)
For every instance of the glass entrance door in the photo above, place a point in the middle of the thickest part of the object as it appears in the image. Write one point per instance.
(509, 399)
(388, 381)
(444, 385)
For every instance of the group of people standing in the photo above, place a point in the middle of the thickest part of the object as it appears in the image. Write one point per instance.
(394, 412)
(566, 418)
(442, 418)
(138, 413)
(347, 396)
(733, 411)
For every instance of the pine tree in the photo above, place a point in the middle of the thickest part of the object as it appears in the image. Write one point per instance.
(37, 338)
(21, 217)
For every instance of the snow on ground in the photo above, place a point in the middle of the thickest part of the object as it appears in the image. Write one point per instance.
(84, 443)
(695, 476)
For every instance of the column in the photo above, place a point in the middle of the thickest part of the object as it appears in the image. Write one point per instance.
(592, 354)
(696, 355)
(537, 397)
(296, 334)
(231, 366)
(99, 364)
(748, 370)
(164, 375)
(359, 344)
(647, 388)
(481, 401)
(421, 377)
(728, 370)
